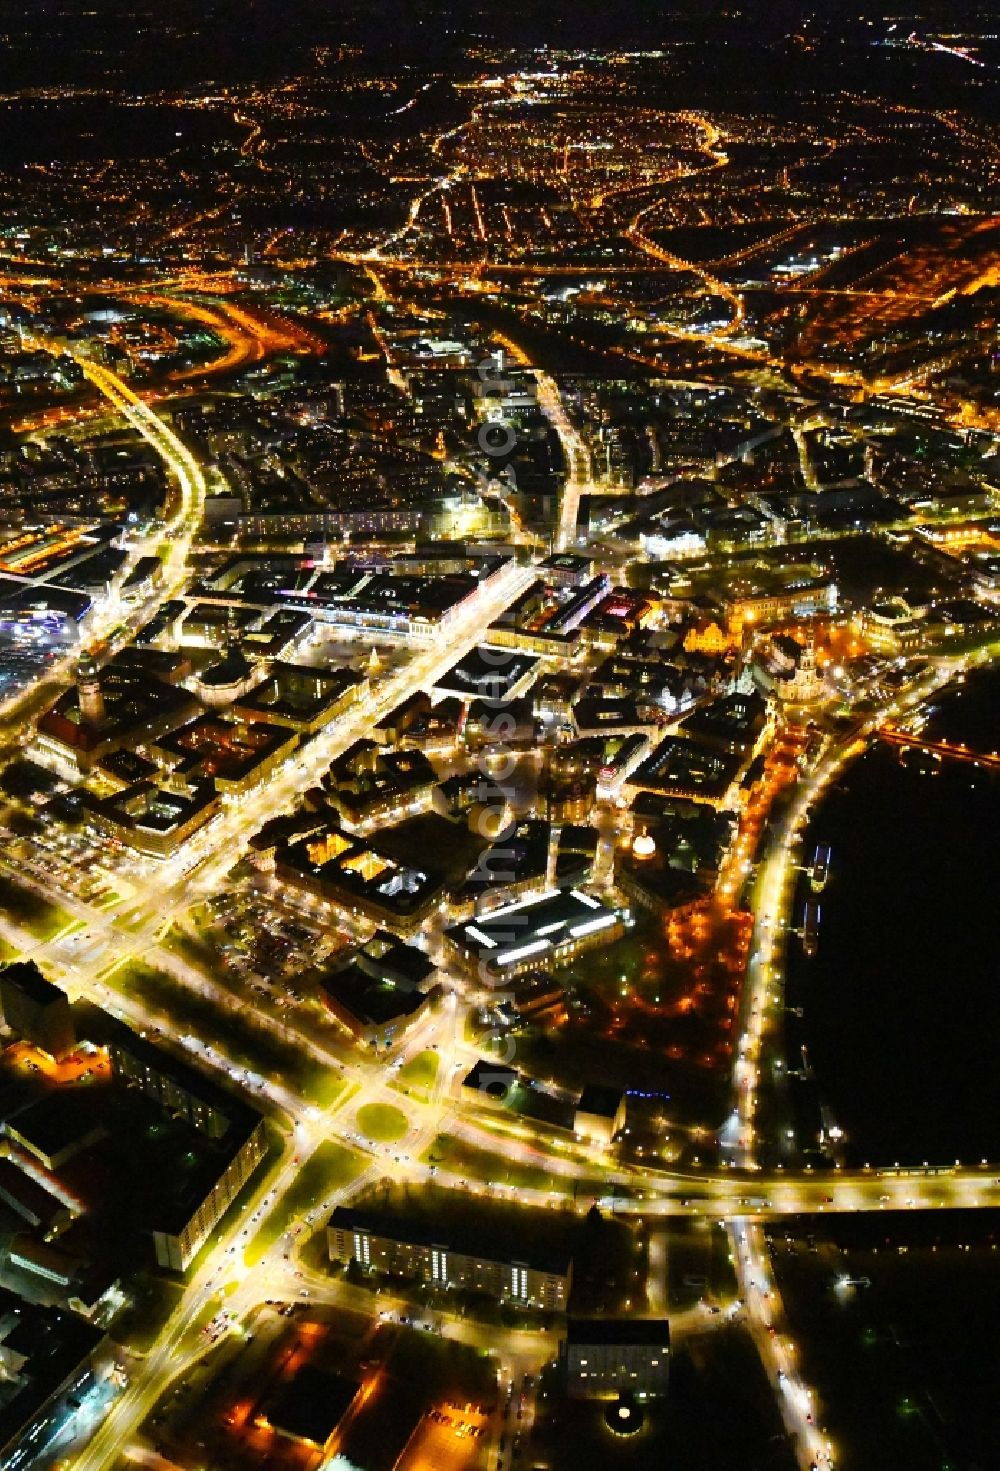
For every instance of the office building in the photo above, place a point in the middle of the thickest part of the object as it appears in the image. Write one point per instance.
(604, 1357)
(381, 989)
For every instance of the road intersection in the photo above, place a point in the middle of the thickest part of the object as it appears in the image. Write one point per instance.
(740, 1194)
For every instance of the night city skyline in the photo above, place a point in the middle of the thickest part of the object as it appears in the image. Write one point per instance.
(499, 761)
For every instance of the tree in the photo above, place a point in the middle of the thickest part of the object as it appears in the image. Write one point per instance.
(22, 779)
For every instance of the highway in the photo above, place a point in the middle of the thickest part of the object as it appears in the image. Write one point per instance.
(172, 539)
(761, 1004)
(741, 1194)
(179, 530)
(170, 891)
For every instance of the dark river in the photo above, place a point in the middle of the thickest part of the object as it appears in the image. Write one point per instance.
(901, 1002)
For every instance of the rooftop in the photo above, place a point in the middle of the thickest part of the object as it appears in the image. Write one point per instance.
(372, 1000)
(533, 927)
(25, 975)
(311, 1406)
(50, 1344)
(614, 1331)
(599, 1100)
(547, 1257)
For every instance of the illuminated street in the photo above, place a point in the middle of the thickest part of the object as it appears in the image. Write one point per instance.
(499, 620)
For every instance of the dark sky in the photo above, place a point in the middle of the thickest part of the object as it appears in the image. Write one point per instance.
(137, 43)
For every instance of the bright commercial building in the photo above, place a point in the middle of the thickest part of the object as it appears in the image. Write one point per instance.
(533, 933)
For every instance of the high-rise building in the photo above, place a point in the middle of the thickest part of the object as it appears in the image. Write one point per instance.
(35, 1009)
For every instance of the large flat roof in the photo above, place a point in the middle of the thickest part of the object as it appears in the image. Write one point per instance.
(371, 1000)
(25, 975)
(312, 1405)
(612, 1331)
(242, 1116)
(53, 1343)
(539, 1257)
(533, 926)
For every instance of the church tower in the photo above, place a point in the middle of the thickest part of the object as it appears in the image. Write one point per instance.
(806, 685)
(88, 688)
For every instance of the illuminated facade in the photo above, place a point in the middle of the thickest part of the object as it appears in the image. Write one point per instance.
(602, 1358)
(375, 1245)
